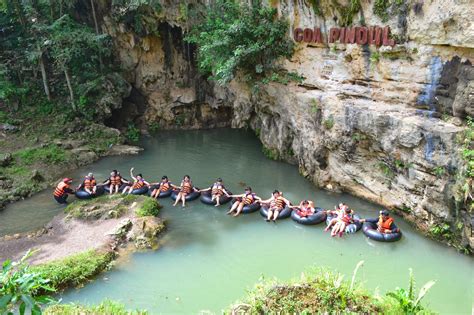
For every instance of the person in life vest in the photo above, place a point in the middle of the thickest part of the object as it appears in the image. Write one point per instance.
(242, 200)
(385, 223)
(336, 213)
(217, 191)
(276, 204)
(114, 182)
(62, 190)
(89, 184)
(185, 188)
(138, 182)
(342, 221)
(163, 186)
(305, 208)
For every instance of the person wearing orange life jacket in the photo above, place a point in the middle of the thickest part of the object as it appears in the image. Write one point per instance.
(243, 200)
(163, 186)
(89, 184)
(62, 190)
(114, 182)
(276, 204)
(185, 188)
(385, 223)
(217, 191)
(138, 182)
(305, 208)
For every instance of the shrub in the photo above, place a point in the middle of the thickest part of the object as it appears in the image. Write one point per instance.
(149, 207)
(439, 171)
(406, 298)
(132, 133)
(105, 307)
(272, 154)
(76, 269)
(236, 36)
(18, 286)
(328, 123)
(318, 291)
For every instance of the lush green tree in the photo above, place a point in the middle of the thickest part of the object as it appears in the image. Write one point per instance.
(236, 36)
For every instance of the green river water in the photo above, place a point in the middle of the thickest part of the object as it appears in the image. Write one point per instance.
(207, 260)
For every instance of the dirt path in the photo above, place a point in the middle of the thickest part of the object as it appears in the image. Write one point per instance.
(62, 238)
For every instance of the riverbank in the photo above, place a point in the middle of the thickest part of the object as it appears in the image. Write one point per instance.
(36, 150)
(96, 229)
(324, 291)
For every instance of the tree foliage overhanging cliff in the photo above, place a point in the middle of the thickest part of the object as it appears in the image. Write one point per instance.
(237, 37)
(48, 59)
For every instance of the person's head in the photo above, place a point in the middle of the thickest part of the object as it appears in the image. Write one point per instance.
(276, 193)
(219, 180)
(384, 214)
(248, 190)
(140, 176)
(305, 202)
(164, 179)
(187, 177)
(90, 175)
(113, 173)
(67, 180)
(347, 210)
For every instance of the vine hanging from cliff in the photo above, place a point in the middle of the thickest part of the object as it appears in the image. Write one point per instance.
(236, 37)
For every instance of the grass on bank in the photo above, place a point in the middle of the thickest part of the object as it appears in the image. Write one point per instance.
(149, 207)
(76, 269)
(105, 307)
(322, 291)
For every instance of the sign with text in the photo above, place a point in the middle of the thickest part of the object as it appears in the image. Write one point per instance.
(360, 35)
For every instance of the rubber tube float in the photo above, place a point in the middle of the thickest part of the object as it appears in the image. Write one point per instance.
(317, 217)
(285, 213)
(206, 197)
(189, 197)
(140, 191)
(82, 194)
(351, 228)
(162, 194)
(370, 230)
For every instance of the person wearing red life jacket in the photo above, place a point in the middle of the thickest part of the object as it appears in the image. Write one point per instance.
(114, 182)
(138, 182)
(62, 190)
(305, 208)
(243, 200)
(276, 204)
(89, 184)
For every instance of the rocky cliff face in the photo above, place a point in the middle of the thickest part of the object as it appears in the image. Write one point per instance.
(380, 123)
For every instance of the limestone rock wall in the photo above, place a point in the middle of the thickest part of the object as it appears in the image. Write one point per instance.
(380, 123)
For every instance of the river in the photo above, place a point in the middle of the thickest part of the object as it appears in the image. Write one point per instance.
(207, 259)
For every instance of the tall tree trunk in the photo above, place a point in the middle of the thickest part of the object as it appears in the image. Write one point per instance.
(69, 86)
(95, 18)
(19, 11)
(51, 9)
(44, 76)
(96, 24)
(61, 8)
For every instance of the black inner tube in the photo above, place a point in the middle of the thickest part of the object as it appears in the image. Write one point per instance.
(284, 213)
(189, 197)
(370, 230)
(207, 196)
(317, 217)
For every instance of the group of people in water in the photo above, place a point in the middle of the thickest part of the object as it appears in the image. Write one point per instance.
(338, 221)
